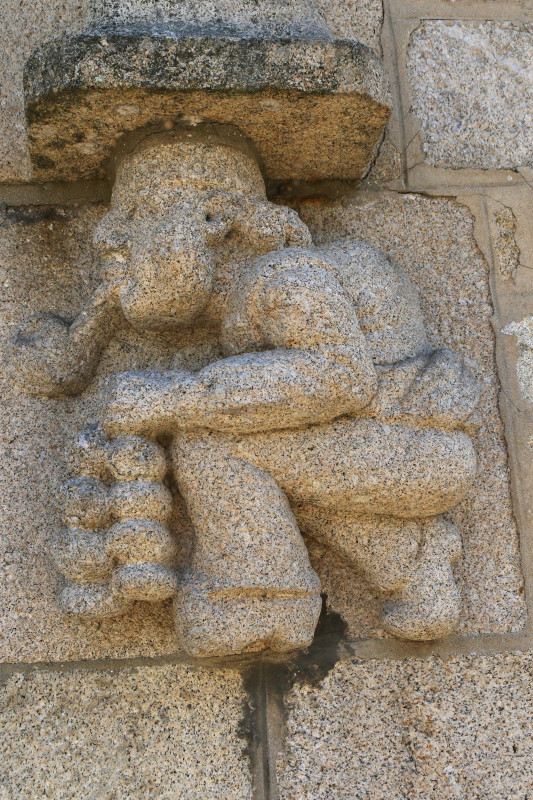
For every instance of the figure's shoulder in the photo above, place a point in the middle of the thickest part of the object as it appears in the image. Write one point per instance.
(291, 267)
(385, 299)
(359, 263)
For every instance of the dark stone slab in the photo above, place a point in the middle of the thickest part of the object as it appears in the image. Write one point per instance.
(314, 108)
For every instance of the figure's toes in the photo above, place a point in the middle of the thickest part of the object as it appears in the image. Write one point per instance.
(424, 611)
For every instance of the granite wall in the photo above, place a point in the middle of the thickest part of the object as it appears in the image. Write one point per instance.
(113, 709)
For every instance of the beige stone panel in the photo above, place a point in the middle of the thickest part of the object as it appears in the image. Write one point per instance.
(472, 91)
(433, 240)
(418, 729)
(166, 732)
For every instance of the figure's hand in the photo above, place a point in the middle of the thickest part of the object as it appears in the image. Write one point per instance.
(54, 357)
(144, 402)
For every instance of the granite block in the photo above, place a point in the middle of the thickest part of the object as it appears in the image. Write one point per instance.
(122, 734)
(472, 90)
(419, 729)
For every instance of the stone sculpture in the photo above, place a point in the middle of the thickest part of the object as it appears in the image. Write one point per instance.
(328, 414)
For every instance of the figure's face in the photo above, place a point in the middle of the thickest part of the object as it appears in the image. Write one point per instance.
(161, 257)
(173, 205)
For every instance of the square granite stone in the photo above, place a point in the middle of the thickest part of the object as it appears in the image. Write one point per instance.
(127, 734)
(472, 91)
(412, 730)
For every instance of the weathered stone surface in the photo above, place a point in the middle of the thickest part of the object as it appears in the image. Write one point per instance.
(266, 18)
(48, 264)
(428, 730)
(433, 241)
(164, 732)
(26, 26)
(314, 109)
(523, 330)
(327, 403)
(354, 19)
(472, 90)
(506, 250)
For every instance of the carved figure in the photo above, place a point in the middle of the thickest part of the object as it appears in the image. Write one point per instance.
(328, 413)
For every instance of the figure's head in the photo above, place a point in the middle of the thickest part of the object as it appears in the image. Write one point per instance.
(175, 199)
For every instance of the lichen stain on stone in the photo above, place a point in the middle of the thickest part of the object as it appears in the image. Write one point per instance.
(506, 250)
(523, 331)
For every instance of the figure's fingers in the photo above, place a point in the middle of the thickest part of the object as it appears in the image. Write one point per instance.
(137, 540)
(136, 458)
(85, 503)
(149, 582)
(93, 600)
(81, 555)
(141, 500)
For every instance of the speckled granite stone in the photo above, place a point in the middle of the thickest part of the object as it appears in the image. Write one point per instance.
(47, 263)
(327, 412)
(26, 26)
(472, 90)
(163, 732)
(423, 730)
(433, 240)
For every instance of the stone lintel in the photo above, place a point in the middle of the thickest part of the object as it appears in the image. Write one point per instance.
(314, 108)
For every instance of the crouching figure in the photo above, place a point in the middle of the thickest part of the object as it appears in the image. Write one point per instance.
(327, 413)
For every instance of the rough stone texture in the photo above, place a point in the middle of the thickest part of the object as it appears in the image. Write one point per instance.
(331, 338)
(26, 26)
(472, 90)
(506, 250)
(163, 732)
(314, 109)
(354, 19)
(48, 263)
(432, 239)
(523, 331)
(423, 730)
(268, 18)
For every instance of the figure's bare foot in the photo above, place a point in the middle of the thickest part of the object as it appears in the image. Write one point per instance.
(429, 606)
(221, 624)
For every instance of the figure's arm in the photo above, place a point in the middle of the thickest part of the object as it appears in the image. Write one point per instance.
(314, 367)
(53, 357)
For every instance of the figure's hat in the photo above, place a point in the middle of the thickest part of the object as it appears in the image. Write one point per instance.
(313, 106)
(159, 164)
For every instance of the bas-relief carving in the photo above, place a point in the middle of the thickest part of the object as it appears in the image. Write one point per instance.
(328, 414)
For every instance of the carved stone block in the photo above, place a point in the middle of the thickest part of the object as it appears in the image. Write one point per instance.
(325, 402)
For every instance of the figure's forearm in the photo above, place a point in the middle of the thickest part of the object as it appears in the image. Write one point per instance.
(244, 394)
(275, 389)
(53, 357)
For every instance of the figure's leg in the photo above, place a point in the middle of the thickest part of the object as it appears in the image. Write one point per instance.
(362, 467)
(249, 584)
(381, 549)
